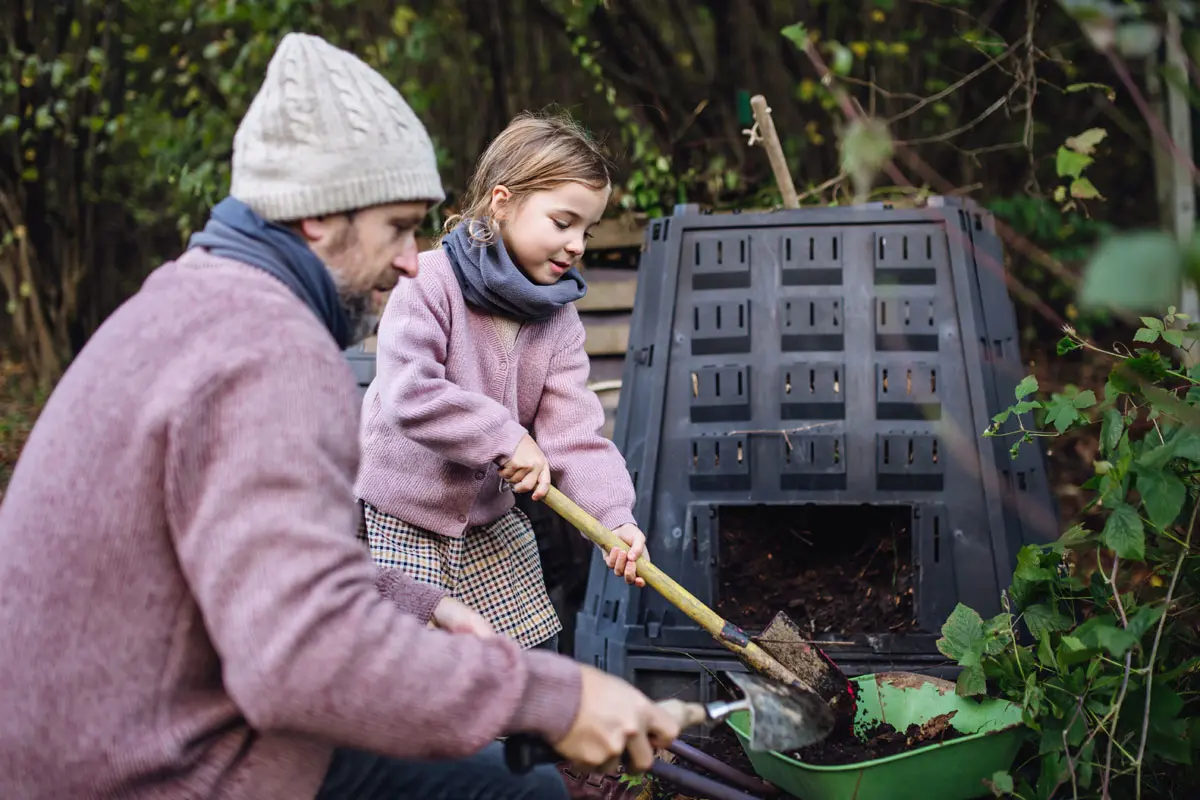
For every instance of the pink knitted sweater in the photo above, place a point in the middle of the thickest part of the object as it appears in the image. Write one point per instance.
(184, 608)
(449, 399)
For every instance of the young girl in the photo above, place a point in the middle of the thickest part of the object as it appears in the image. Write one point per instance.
(481, 387)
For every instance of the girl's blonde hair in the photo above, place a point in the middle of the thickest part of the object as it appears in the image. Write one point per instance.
(534, 153)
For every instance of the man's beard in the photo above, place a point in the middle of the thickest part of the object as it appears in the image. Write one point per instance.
(358, 305)
(359, 308)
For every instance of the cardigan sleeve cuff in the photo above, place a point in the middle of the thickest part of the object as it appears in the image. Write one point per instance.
(617, 517)
(553, 693)
(511, 434)
(410, 596)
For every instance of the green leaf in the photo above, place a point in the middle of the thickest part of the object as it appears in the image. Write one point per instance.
(1173, 337)
(1086, 761)
(1084, 189)
(1109, 92)
(1143, 619)
(1042, 620)
(1061, 413)
(843, 59)
(866, 147)
(1051, 738)
(1111, 430)
(1152, 323)
(1147, 335)
(1072, 651)
(1086, 142)
(1073, 536)
(996, 634)
(1155, 458)
(972, 682)
(1187, 445)
(1071, 164)
(1045, 653)
(1147, 365)
(1066, 345)
(1001, 783)
(1124, 533)
(58, 73)
(1027, 386)
(43, 119)
(1085, 399)
(1104, 632)
(1162, 494)
(962, 635)
(1136, 271)
(1029, 565)
(797, 34)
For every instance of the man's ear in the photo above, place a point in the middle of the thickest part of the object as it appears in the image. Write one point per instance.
(314, 229)
(500, 197)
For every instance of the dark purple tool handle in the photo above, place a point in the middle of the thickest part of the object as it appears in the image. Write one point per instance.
(718, 767)
(705, 787)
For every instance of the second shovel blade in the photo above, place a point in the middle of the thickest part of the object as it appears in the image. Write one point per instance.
(783, 718)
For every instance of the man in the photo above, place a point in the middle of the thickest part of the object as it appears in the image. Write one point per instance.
(184, 606)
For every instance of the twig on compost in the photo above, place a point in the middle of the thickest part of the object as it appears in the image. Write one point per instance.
(781, 432)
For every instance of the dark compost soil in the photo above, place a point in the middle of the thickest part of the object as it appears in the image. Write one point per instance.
(880, 741)
(835, 571)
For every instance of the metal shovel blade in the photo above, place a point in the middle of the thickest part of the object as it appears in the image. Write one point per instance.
(783, 718)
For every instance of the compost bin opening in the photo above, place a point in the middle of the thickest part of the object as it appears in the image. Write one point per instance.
(836, 570)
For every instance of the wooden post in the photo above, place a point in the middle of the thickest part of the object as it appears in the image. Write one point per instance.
(1176, 187)
(770, 139)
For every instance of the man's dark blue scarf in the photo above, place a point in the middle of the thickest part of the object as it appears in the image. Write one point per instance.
(235, 231)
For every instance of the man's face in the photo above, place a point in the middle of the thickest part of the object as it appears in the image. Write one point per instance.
(367, 253)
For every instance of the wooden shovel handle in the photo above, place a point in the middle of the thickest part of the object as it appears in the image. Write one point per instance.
(729, 635)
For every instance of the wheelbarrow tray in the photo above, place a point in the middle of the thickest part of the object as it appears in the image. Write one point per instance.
(952, 770)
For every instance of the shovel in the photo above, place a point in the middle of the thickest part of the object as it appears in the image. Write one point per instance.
(790, 661)
(782, 718)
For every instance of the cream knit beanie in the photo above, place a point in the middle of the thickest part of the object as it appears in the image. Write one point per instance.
(325, 134)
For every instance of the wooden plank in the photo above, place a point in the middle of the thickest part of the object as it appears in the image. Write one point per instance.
(608, 289)
(609, 401)
(606, 368)
(618, 232)
(606, 334)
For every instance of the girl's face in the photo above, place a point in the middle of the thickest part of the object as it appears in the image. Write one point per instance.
(546, 232)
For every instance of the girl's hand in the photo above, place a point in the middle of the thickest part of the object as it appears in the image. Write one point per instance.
(456, 616)
(622, 563)
(527, 470)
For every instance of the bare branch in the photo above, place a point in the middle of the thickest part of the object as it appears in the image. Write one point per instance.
(954, 87)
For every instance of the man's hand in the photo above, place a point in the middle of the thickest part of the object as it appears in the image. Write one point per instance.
(622, 562)
(527, 470)
(456, 617)
(615, 718)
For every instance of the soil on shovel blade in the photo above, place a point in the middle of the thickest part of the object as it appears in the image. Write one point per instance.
(836, 572)
(879, 741)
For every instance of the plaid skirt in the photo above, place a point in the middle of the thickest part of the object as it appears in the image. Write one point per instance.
(494, 569)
